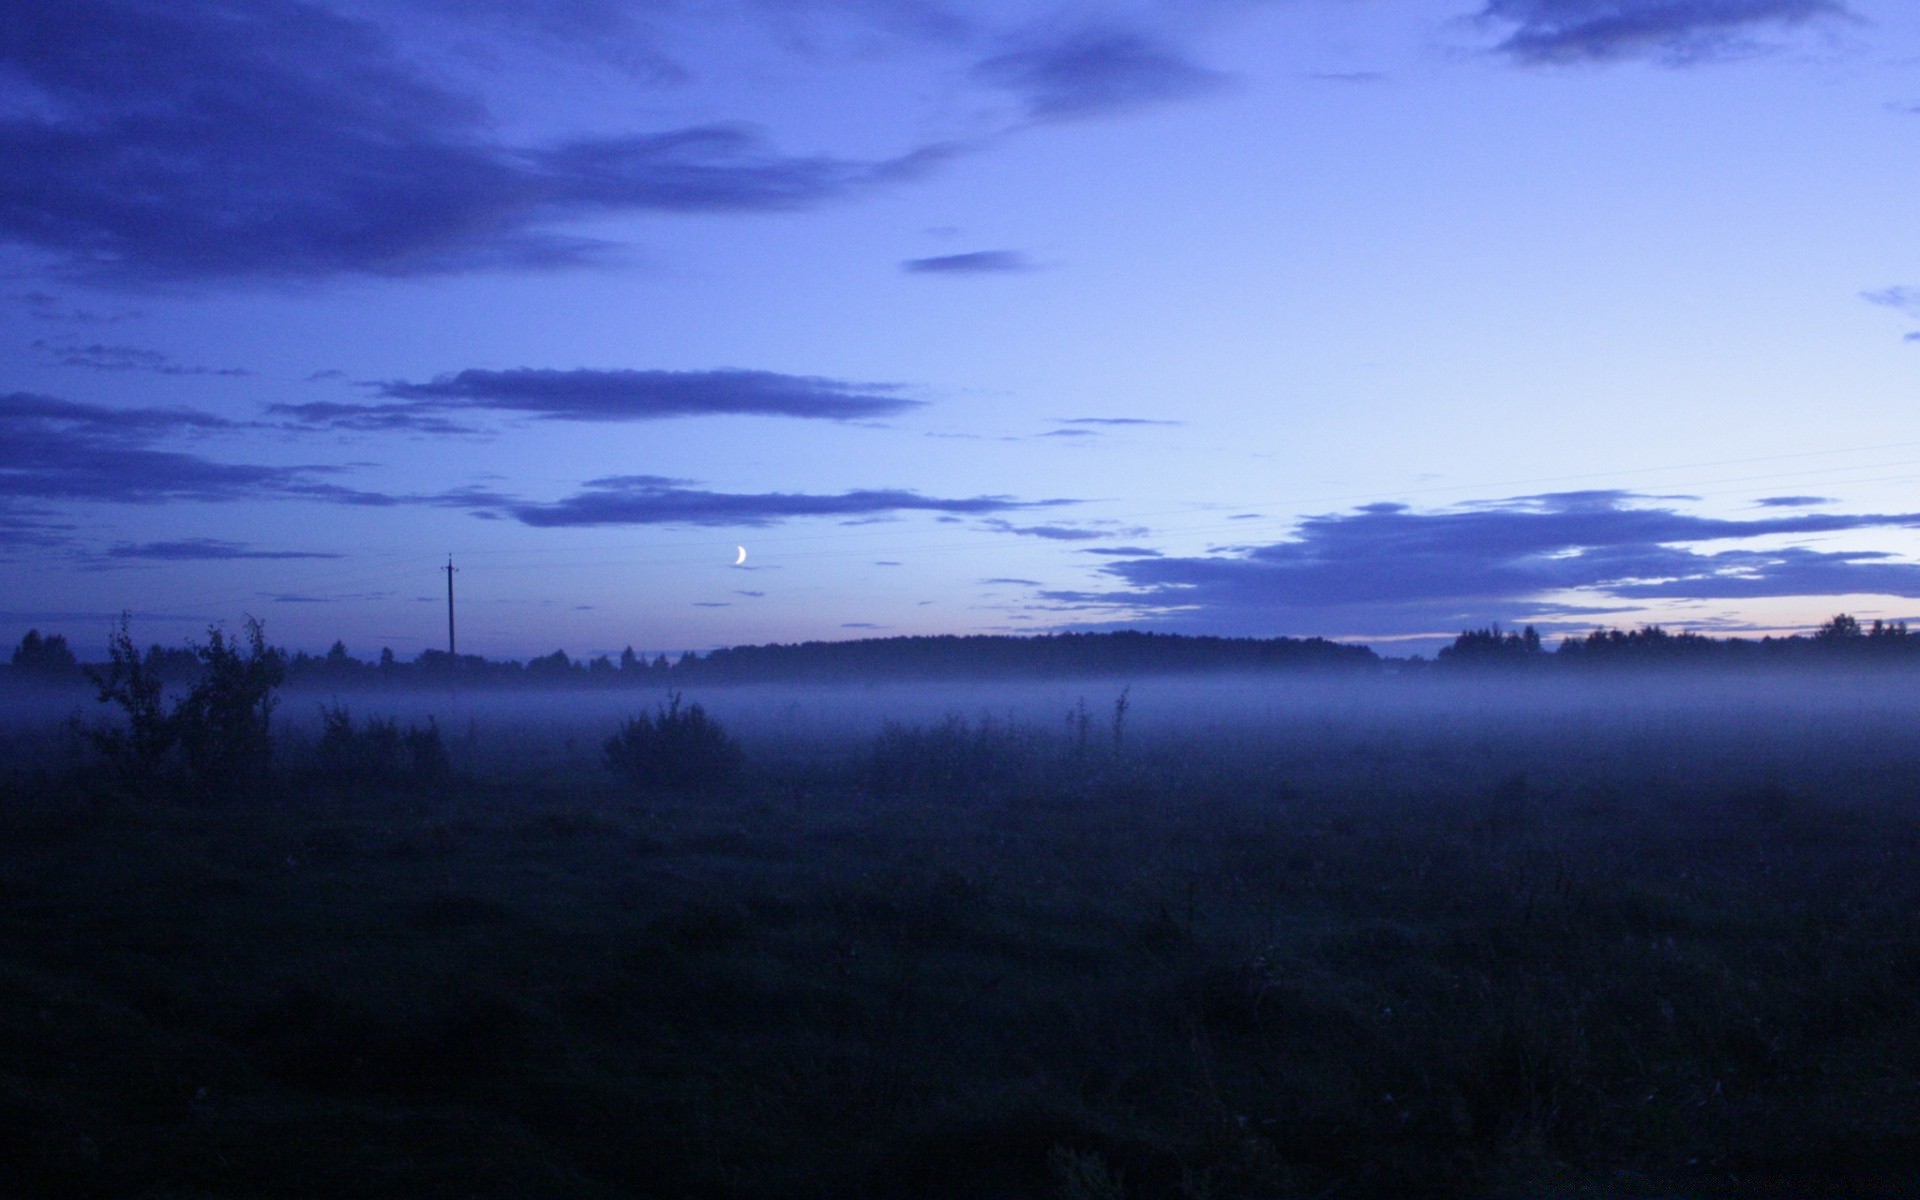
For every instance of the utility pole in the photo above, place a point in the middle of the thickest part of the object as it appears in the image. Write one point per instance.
(449, 570)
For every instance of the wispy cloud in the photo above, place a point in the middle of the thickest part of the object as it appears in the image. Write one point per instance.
(99, 356)
(1905, 299)
(975, 262)
(633, 395)
(1677, 32)
(655, 500)
(54, 449)
(203, 550)
(1093, 70)
(1794, 501)
(1056, 533)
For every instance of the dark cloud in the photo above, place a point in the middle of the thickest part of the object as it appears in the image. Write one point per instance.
(654, 500)
(370, 418)
(1122, 551)
(619, 395)
(1386, 569)
(1016, 582)
(1794, 501)
(1070, 433)
(1674, 31)
(99, 356)
(1093, 71)
(203, 550)
(209, 139)
(61, 450)
(975, 262)
(1115, 421)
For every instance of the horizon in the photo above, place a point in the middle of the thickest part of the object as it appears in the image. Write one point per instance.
(822, 321)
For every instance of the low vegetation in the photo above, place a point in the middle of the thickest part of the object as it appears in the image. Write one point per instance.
(1318, 958)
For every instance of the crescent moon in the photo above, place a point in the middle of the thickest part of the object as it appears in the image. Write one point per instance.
(742, 556)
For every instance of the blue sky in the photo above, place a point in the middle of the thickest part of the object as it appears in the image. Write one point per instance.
(1373, 319)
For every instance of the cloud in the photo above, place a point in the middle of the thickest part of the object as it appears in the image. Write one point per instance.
(616, 395)
(1794, 501)
(279, 139)
(44, 306)
(369, 418)
(62, 450)
(1386, 569)
(976, 262)
(203, 550)
(654, 500)
(1070, 433)
(102, 357)
(1015, 582)
(1677, 32)
(1905, 299)
(1122, 551)
(1092, 71)
(1115, 421)
(1057, 533)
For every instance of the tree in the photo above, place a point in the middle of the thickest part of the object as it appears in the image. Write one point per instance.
(1842, 628)
(225, 720)
(46, 656)
(219, 732)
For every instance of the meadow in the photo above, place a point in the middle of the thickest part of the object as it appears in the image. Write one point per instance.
(1214, 937)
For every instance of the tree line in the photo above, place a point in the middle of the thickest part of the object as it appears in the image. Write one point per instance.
(1123, 652)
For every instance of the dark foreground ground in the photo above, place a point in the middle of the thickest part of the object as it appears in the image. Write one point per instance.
(1357, 962)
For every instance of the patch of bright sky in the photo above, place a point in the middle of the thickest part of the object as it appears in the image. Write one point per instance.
(1452, 279)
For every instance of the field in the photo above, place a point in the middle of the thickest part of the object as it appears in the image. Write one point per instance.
(1237, 939)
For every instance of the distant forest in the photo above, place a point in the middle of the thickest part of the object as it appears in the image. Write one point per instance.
(1842, 640)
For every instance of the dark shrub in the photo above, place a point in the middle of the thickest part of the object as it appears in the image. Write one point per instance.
(378, 754)
(48, 657)
(951, 756)
(674, 749)
(219, 732)
(224, 721)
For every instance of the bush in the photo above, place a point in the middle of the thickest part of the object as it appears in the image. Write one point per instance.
(953, 756)
(674, 749)
(378, 754)
(218, 736)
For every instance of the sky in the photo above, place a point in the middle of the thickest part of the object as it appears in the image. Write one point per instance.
(1368, 319)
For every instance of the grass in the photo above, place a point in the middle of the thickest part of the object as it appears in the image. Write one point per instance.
(980, 961)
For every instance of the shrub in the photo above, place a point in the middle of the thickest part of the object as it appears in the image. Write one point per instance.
(139, 751)
(378, 754)
(224, 721)
(674, 749)
(219, 733)
(953, 756)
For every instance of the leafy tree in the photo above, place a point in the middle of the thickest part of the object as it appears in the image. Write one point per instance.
(48, 656)
(219, 732)
(225, 719)
(139, 751)
(1842, 628)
